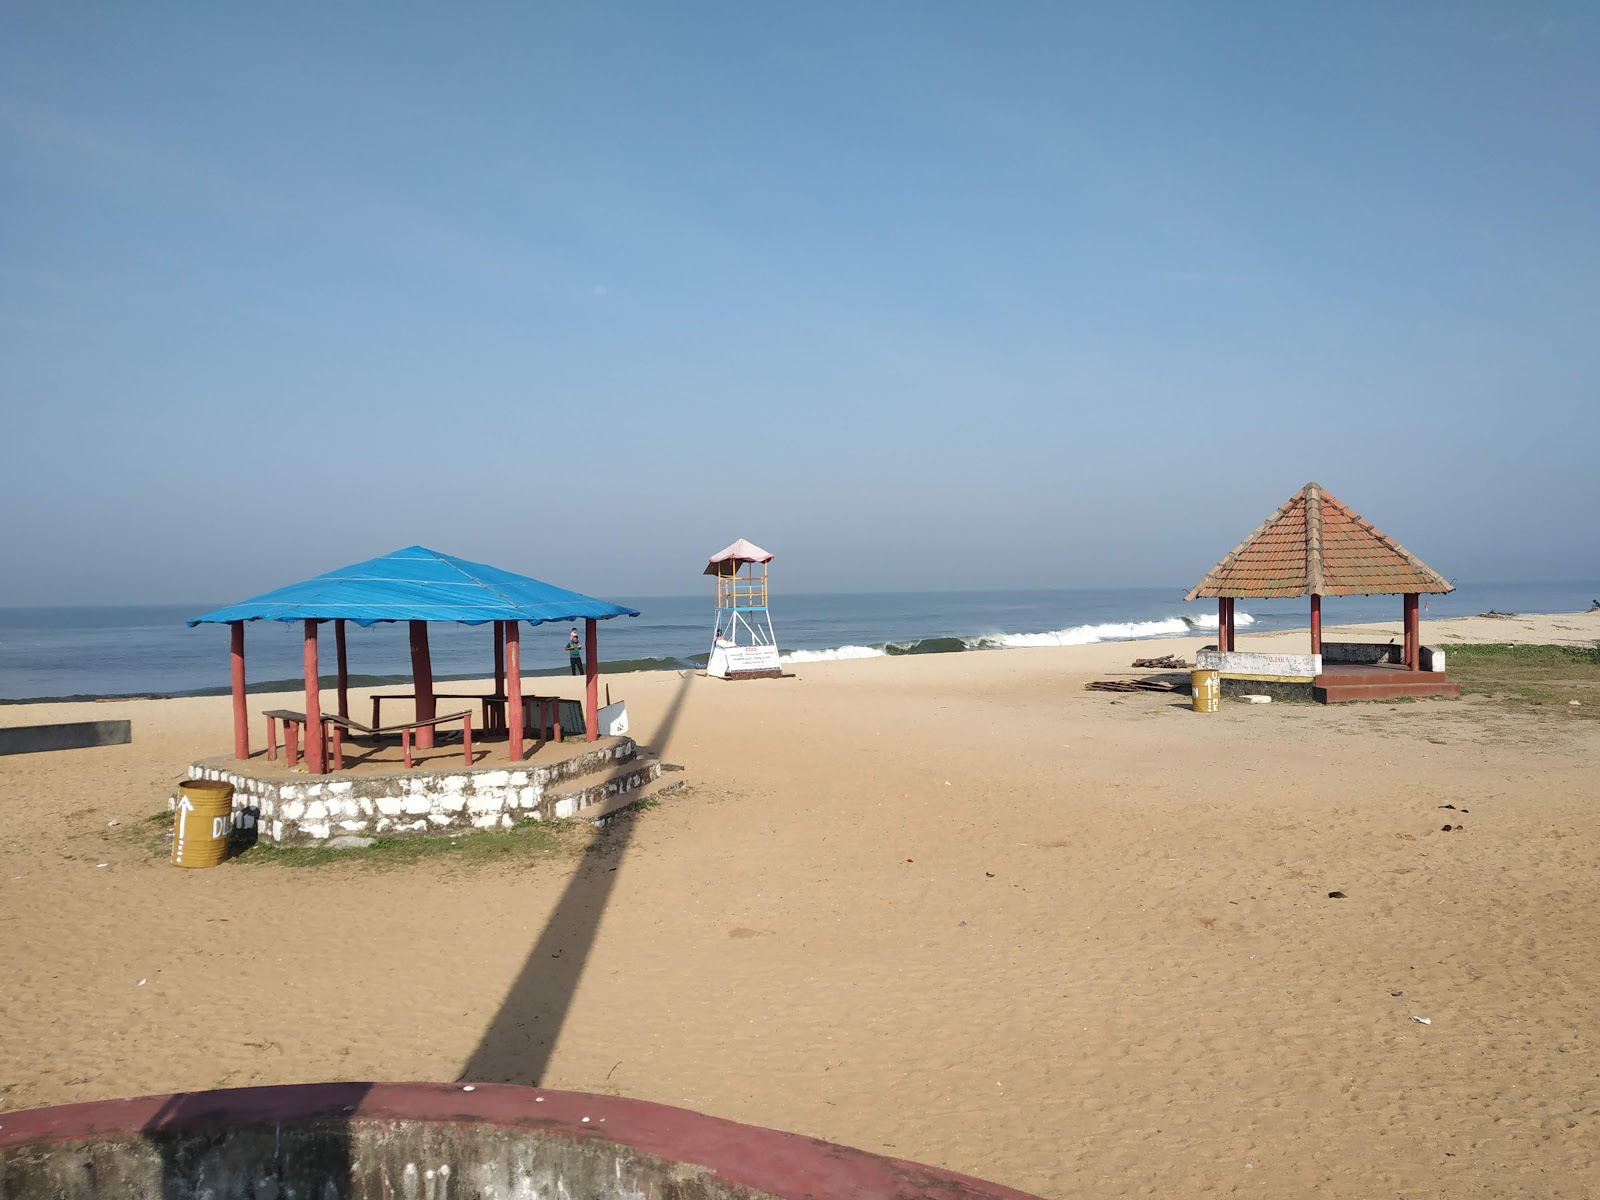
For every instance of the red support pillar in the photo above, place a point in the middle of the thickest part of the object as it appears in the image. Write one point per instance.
(241, 718)
(1231, 645)
(1413, 625)
(422, 683)
(344, 669)
(499, 658)
(591, 672)
(314, 758)
(513, 666)
(1222, 623)
(1316, 623)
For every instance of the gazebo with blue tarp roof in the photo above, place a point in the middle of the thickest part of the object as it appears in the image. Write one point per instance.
(416, 585)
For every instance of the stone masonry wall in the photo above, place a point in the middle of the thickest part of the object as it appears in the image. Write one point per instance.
(308, 810)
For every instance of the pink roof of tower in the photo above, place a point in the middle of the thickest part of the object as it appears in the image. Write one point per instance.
(740, 552)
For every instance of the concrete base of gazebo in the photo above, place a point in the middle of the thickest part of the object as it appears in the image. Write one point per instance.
(372, 799)
(1343, 671)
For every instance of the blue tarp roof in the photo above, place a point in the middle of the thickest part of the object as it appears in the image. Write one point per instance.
(418, 584)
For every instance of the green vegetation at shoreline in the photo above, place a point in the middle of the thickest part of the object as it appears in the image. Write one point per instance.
(1532, 676)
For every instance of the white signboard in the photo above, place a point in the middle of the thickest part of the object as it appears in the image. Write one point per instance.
(737, 660)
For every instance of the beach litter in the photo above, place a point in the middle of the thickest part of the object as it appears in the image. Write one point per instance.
(1131, 685)
(1336, 896)
(1423, 1020)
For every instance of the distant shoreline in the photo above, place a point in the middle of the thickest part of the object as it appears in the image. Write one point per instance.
(290, 686)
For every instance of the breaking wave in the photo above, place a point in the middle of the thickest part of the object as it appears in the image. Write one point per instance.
(834, 655)
(1076, 635)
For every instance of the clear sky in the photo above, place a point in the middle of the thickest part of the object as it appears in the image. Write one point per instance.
(921, 295)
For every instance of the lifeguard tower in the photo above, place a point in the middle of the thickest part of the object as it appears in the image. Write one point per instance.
(743, 645)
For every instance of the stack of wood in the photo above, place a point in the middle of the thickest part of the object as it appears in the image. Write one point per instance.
(1167, 662)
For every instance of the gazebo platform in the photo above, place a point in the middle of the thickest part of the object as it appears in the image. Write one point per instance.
(1340, 682)
(376, 796)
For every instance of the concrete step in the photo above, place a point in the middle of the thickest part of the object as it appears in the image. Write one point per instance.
(1343, 693)
(1356, 676)
(573, 797)
(603, 812)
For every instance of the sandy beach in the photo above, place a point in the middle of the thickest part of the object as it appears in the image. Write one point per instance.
(952, 908)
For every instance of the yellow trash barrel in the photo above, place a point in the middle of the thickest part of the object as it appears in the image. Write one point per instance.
(1205, 688)
(203, 823)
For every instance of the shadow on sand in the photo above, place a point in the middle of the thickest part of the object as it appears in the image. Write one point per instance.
(517, 1045)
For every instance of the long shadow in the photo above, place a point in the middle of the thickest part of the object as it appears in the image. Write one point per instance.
(517, 1045)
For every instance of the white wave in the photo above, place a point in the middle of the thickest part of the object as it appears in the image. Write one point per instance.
(1210, 622)
(1117, 631)
(833, 655)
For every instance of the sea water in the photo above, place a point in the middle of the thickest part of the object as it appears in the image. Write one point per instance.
(92, 652)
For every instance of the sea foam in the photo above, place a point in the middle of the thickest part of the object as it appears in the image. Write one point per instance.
(833, 655)
(1076, 635)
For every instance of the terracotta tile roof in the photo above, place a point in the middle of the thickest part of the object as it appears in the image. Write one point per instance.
(1314, 544)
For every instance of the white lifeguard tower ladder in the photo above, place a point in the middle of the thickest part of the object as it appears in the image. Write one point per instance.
(743, 644)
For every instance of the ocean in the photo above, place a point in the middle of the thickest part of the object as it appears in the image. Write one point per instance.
(58, 653)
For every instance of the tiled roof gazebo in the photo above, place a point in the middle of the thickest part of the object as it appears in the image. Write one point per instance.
(1315, 546)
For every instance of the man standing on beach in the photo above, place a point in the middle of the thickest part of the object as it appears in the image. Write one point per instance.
(575, 653)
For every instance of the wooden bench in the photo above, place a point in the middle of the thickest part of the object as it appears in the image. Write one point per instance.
(340, 724)
(293, 723)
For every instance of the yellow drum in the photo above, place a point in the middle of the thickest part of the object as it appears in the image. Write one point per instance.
(1206, 689)
(202, 824)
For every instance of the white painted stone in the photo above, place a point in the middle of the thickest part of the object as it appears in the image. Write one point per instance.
(293, 810)
(480, 803)
(366, 806)
(485, 822)
(384, 823)
(414, 825)
(195, 771)
(316, 810)
(565, 808)
(519, 778)
(315, 830)
(491, 779)
(390, 806)
(277, 831)
(454, 783)
(352, 826)
(449, 803)
(339, 789)
(529, 797)
(505, 821)
(439, 818)
(289, 792)
(417, 804)
(313, 791)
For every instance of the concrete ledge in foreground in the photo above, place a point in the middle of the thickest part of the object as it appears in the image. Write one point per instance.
(367, 1141)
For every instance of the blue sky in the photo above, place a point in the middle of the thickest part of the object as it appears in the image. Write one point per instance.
(916, 295)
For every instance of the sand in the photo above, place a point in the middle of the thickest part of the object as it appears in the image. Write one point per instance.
(951, 908)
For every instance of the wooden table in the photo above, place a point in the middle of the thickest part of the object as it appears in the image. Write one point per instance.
(494, 710)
